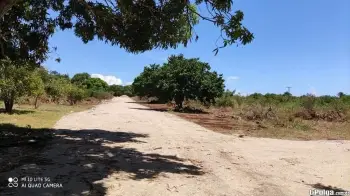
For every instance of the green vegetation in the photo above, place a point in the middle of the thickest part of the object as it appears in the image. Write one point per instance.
(119, 90)
(80, 79)
(16, 80)
(189, 85)
(307, 107)
(180, 79)
(37, 88)
(75, 94)
(19, 81)
(26, 27)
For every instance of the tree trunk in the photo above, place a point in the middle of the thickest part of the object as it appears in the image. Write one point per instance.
(36, 102)
(8, 106)
(178, 101)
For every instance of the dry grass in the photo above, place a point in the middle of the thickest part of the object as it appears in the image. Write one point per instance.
(255, 121)
(43, 117)
(302, 130)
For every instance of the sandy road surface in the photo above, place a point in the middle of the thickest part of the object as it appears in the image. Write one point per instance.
(122, 148)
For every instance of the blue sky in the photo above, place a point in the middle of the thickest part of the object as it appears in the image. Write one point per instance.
(304, 44)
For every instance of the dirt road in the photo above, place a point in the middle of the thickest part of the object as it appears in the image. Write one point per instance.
(123, 148)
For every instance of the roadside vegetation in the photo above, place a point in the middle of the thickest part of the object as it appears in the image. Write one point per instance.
(178, 80)
(188, 88)
(35, 97)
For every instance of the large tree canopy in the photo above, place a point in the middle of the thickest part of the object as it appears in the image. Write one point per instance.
(80, 79)
(136, 26)
(96, 84)
(180, 79)
(16, 79)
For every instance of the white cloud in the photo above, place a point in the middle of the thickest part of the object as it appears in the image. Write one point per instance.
(109, 79)
(233, 78)
(128, 83)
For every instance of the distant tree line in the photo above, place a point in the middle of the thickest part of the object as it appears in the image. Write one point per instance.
(20, 79)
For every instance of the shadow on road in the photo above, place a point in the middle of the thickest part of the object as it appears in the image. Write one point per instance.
(78, 159)
(152, 109)
(185, 110)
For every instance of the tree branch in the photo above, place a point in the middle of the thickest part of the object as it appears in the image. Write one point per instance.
(203, 17)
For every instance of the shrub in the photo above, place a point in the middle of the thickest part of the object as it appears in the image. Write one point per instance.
(193, 106)
(57, 88)
(225, 101)
(259, 112)
(117, 90)
(75, 94)
(308, 102)
(239, 100)
(100, 95)
(340, 106)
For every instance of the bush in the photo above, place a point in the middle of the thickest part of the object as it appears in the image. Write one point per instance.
(259, 112)
(101, 95)
(225, 101)
(308, 102)
(75, 94)
(116, 90)
(193, 106)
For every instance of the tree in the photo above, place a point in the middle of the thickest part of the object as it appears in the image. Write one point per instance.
(57, 88)
(117, 90)
(147, 84)
(80, 79)
(15, 78)
(136, 26)
(341, 94)
(25, 31)
(287, 94)
(75, 94)
(96, 84)
(5, 6)
(127, 90)
(55, 74)
(36, 87)
(180, 79)
(44, 74)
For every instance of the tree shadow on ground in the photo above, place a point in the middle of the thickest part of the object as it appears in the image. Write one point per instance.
(17, 112)
(328, 188)
(148, 102)
(152, 109)
(185, 110)
(79, 159)
(191, 110)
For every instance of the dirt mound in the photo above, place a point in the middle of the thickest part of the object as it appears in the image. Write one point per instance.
(331, 115)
